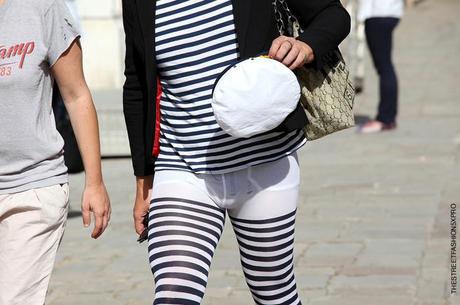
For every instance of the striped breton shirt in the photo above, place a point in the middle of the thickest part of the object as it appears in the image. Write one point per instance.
(195, 41)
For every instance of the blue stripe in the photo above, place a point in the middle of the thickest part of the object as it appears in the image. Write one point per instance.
(187, 117)
(197, 62)
(195, 91)
(192, 133)
(195, 141)
(187, 27)
(200, 51)
(189, 125)
(189, 16)
(160, 6)
(199, 71)
(188, 101)
(192, 82)
(187, 110)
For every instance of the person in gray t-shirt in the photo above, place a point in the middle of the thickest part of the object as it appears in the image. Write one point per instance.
(39, 43)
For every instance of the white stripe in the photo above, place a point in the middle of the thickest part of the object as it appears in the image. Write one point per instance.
(213, 13)
(158, 239)
(180, 270)
(180, 282)
(186, 12)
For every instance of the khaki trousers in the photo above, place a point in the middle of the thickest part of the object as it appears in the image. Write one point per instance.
(31, 227)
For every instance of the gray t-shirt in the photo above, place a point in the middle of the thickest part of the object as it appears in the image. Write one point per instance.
(34, 34)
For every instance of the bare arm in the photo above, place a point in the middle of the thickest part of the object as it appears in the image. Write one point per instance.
(68, 73)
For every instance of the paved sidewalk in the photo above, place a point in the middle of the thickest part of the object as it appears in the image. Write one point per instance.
(373, 222)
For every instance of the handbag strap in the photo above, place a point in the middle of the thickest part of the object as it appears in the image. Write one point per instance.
(287, 23)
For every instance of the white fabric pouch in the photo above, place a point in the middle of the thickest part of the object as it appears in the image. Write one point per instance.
(254, 96)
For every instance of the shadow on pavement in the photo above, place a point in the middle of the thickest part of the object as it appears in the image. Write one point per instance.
(360, 119)
(73, 214)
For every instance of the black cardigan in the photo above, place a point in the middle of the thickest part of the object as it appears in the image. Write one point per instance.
(325, 22)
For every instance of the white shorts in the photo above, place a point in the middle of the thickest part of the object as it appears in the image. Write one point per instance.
(31, 227)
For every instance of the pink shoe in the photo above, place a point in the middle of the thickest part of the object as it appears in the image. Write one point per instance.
(375, 126)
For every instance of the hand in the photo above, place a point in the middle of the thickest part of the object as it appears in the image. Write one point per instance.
(291, 52)
(142, 202)
(96, 200)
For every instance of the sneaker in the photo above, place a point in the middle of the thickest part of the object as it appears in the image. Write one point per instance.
(375, 126)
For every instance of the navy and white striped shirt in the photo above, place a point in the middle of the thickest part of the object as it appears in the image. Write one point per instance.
(195, 41)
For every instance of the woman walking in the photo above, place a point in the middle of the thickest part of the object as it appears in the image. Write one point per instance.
(189, 172)
(381, 18)
(39, 43)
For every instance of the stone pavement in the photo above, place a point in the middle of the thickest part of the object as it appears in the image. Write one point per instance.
(373, 222)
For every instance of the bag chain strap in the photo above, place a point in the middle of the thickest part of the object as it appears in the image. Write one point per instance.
(293, 27)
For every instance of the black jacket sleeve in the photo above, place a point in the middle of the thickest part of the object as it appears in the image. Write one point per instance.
(134, 94)
(326, 23)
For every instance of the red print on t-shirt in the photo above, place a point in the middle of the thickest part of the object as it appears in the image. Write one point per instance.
(9, 55)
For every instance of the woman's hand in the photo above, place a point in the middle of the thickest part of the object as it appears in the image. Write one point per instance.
(291, 52)
(96, 200)
(142, 202)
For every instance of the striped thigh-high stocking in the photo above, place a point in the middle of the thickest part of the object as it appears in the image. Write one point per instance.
(266, 249)
(183, 236)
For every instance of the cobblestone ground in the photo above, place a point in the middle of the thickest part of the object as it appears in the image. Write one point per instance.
(373, 222)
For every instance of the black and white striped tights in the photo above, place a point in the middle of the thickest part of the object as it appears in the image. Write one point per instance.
(184, 231)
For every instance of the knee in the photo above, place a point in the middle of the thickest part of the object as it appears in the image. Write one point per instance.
(179, 288)
(386, 70)
(278, 288)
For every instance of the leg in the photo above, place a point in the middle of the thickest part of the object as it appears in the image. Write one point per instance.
(31, 227)
(264, 227)
(379, 34)
(183, 234)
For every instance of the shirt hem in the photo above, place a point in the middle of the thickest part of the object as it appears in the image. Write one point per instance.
(61, 179)
(236, 168)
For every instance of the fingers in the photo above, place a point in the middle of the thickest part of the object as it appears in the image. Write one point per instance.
(105, 222)
(284, 49)
(276, 44)
(292, 56)
(99, 225)
(299, 61)
(102, 218)
(85, 212)
(291, 52)
(280, 47)
(138, 224)
(109, 214)
(141, 208)
(96, 201)
(139, 215)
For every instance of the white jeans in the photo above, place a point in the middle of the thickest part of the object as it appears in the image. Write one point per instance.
(31, 227)
(186, 220)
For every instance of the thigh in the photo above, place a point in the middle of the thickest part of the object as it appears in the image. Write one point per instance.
(275, 188)
(379, 36)
(31, 227)
(264, 227)
(373, 38)
(184, 229)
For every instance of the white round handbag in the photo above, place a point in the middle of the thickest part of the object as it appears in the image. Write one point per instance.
(254, 96)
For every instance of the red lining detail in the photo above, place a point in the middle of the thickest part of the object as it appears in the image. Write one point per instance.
(156, 138)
